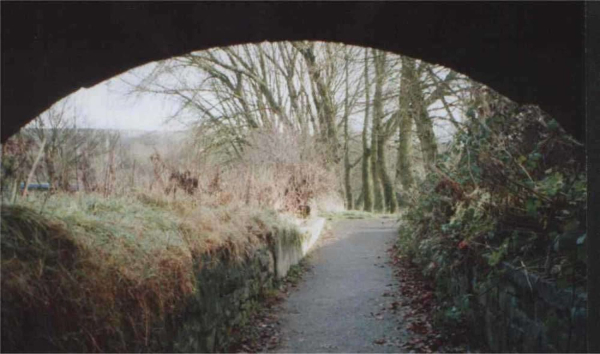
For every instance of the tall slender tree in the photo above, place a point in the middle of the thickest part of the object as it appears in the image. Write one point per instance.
(323, 99)
(367, 191)
(375, 136)
(383, 177)
(404, 177)
(423, 121)
(347, 166)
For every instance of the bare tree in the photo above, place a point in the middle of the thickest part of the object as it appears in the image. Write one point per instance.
(367, 191)
(312, 89)
(65, 143)
(403, 166)
(324, 100)
(381, 135)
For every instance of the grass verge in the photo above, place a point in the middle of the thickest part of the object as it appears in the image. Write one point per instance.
(104, 274)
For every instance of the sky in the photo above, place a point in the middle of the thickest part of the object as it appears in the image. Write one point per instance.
(106, 106)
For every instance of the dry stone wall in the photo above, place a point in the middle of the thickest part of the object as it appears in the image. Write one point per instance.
(521, 312)
(228, 292)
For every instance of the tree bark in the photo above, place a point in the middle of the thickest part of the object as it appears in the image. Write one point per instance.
(324, 102)
(34, 167)
(383, 177)
(50, 160)
(424, 126)
(404, 176)
(375, 130)
(347, 166)
(367, 191)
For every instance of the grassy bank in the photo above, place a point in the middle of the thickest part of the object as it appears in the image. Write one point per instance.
(108, 274)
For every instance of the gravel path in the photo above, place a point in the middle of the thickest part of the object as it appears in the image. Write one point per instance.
(343, 304)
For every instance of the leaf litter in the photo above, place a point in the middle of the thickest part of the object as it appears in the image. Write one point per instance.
(417, 304)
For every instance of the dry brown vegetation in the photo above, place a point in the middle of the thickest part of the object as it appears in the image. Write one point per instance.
(103, 271)
(106, 271)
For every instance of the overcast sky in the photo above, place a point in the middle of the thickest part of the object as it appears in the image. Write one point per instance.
(106, 106)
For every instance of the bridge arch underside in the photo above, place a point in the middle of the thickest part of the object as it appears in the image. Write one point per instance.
(529, 52)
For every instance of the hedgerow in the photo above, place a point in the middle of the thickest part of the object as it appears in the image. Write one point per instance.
(511, 188)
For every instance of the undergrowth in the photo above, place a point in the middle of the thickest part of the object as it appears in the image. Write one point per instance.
(511, 188)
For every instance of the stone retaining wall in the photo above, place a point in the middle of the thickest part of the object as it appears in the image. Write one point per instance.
(288, 252)
(227, 293)
(522, 312)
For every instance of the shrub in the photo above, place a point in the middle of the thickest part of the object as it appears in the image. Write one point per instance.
(510, 189)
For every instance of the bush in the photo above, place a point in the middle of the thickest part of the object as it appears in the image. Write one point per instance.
(512, 189)
(277, 170)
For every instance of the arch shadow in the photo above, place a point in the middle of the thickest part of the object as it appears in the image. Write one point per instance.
(529, 52)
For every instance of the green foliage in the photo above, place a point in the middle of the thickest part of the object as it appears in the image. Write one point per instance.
(453, 315)
(511, 186)
(295, 273)
(496, 255)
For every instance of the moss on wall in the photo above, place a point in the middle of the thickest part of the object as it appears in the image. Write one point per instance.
(520, 316)
(227, 294)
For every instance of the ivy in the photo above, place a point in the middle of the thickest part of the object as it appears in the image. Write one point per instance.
(521, 196)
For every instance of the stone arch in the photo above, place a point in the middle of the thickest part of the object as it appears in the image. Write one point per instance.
(530, 52)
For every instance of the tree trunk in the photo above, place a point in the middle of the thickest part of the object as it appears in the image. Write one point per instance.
(367, 191)
(404, 176)
(347, 167)
(50, 160)
(424, 126)
(87, 173)
(383, 177)
(323, 101)
(386, 182)
(33, 168)
(377, 193)
(15, 189)
(375, 131)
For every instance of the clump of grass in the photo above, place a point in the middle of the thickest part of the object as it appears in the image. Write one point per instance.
(110, 274)
(83, 283)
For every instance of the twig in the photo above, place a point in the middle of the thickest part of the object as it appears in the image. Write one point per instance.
(518, 164)
(470, 172)
(34, 167)
(45, 200)
(527, 276)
